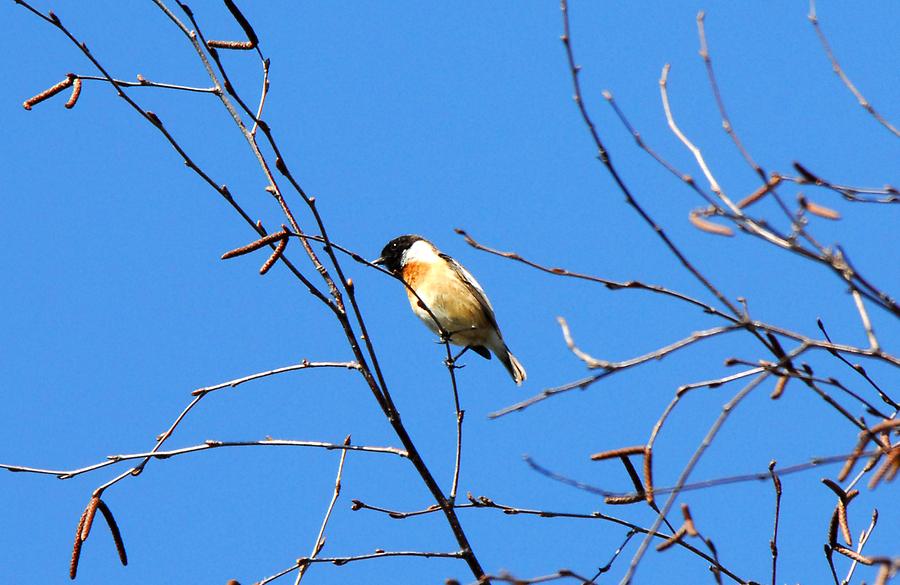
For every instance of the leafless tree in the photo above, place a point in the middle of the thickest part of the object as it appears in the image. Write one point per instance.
(303, 246)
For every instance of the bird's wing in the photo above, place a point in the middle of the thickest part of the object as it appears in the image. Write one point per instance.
(474, 288)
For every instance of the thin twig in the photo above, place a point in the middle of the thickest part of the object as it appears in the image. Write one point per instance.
(726, 121)
(304, 364)
(340, 561)
(320, 538)
(460, 414)
(788, 372)
(579, 384)
(376, 383)
(378, 388)
(205, 446)
(583, 383)
(838, 70)
(262, 98)
(143, 82)
(487, 503)
(638, 495)
(769, 184)
(610, 284)
(506, 577)
(594, 363)
(688, 468)
(864, 318)
(483, 502)
(751, 226)
(221, 189)
(863, 539)
(773, 544)
(603, 154)
(605, 568)
(886, 194)
(758, 227)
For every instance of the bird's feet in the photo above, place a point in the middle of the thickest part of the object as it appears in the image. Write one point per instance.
(450, 363)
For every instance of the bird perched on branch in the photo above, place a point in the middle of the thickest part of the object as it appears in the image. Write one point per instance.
(455, 306)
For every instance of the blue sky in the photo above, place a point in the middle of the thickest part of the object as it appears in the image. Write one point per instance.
(406, 119)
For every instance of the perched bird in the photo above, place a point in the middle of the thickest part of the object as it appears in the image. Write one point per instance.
(453, 295)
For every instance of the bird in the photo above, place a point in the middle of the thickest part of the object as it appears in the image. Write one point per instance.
(451, 295)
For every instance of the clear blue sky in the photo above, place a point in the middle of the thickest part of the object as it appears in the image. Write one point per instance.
(401, 118)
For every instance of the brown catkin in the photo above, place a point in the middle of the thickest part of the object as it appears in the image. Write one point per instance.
(648, 475)
(89, 514)
(635, 450)
(49, 92)
(114, 530)
(708, 226)
(76, 93)
(76, 548)
(279, 250)
(264, 241)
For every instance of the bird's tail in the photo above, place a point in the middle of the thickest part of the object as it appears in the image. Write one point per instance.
(513, 366)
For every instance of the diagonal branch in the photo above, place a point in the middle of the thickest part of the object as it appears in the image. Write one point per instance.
(603, 155)
(688, 468)
(303, 365)
(839, 71)
(320, 538)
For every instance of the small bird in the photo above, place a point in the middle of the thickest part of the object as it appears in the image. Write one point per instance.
(452, 294)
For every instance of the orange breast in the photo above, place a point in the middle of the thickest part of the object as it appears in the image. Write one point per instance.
(414, 272)
(451, 301)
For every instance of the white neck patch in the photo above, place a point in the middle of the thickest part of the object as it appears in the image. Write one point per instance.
(421, 251)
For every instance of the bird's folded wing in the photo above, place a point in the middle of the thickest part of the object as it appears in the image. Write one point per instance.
(474, 287)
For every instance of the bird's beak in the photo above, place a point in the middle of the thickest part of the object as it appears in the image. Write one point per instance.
(379, 261)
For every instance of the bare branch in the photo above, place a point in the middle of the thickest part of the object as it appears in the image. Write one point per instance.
(838, 70)
(603, 155)
(375, 382)
(506, 577)
(320, 538)
(206, 446)
(658, 354)
(699, 485)
(689, 467)
(304, 364)
(698, 156)
(863, 539)
(144, 82)
(773, 544)
(886, 194)
(482, 502)
(380, 554)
